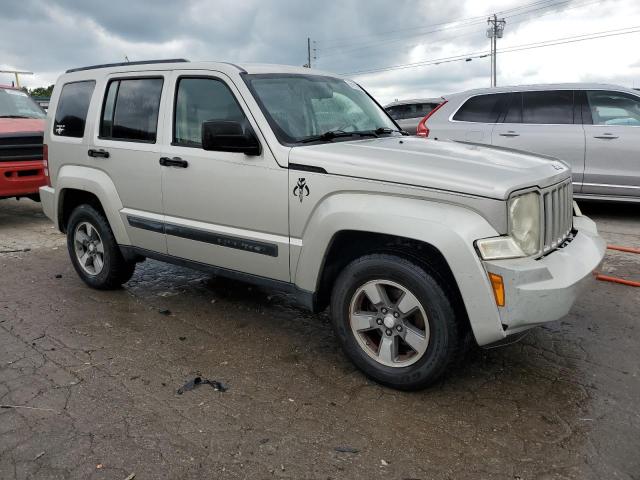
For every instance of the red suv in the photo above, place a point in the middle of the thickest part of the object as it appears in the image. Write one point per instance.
(22, 166)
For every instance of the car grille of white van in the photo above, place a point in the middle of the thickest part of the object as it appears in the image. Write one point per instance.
(558, 214)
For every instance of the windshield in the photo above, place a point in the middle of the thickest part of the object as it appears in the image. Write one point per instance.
(303, 108)
(17, 104)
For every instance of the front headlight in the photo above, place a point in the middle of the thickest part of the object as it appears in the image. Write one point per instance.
(524, 222)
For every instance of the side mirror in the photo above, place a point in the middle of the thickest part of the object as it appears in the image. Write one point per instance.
(229, 136)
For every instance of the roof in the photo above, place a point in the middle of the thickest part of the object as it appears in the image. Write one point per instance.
(182, 64)
(544, 86)
(414, 100)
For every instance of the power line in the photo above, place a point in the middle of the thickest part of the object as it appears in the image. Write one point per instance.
(454, 24)
(452, 37)
(515, 48)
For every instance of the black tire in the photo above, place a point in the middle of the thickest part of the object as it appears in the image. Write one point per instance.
(116, 270)
(446, 331)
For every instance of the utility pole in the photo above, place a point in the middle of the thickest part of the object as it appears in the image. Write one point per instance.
(494, 32)
(16, 73)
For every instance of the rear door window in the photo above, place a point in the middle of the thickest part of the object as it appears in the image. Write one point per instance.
(481, 109)
(130, 111)
(71, 112)
(548, 107)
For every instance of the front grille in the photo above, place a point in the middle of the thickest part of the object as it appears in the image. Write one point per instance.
(558, 214)
(20, 147)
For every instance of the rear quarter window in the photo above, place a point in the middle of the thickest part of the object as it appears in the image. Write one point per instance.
(481, 109)
(73, 105)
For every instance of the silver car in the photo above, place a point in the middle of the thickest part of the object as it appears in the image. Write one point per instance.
(595, 128)
(408, 113)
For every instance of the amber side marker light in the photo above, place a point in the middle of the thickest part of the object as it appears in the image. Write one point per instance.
(498, 288)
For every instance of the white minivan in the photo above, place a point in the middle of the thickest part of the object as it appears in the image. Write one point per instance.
(595, 128)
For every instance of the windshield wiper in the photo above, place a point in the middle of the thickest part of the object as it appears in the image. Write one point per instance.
(15, 116)
(331, 134)
(381, 130)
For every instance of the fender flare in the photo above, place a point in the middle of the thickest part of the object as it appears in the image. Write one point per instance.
(99, 184)
(452, 229)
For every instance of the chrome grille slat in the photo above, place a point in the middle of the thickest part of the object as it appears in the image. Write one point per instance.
(557, 202)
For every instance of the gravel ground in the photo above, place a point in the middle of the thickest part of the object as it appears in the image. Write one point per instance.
(93, 378)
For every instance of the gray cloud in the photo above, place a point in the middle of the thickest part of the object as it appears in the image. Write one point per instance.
(50, 36)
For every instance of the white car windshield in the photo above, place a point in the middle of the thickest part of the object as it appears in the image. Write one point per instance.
(310, 108)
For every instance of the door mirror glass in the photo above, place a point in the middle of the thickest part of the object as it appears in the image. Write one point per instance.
(229, 136)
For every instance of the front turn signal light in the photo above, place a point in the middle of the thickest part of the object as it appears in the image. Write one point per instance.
(498, 288)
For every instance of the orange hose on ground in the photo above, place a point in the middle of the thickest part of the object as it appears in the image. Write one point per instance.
(623, 249)
(607, 278)
(622, 281)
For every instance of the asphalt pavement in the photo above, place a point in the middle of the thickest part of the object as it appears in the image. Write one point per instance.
(89, 380)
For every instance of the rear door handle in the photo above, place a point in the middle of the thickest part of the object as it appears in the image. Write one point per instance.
(173, 162)
(606, 136)
(98, 153)
(509, 134)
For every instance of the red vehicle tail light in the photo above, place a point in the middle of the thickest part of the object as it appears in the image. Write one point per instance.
(45, 161)
(422, 130)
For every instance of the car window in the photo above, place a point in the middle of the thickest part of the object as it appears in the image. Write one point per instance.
(199, 100)
(481, 108)
(71, 112)
(614, 108)
(423, 109)
(299, 107)
(18, 104)
(130, 111)
(401, 112)
(549, 107)
(514, 109)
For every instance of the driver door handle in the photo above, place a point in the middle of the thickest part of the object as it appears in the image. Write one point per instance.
(510, 133)
(173, 162)
(606, 136)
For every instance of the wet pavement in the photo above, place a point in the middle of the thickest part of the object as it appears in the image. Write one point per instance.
(91, 379)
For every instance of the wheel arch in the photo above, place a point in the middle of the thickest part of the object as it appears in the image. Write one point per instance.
(76, 185)
(439, 236)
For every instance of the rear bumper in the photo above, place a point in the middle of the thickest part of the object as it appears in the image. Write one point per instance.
(21, 178)
(544, 290)
(48, 202)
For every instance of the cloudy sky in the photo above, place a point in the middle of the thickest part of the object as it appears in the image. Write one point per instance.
(49, 36)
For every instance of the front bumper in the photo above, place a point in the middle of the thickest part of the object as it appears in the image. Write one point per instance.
(543, 290)
(21, 178)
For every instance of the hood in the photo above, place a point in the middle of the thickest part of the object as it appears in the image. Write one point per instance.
(459, 167)
(21, 125)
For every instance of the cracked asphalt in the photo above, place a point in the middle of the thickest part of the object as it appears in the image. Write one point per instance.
(90, 379)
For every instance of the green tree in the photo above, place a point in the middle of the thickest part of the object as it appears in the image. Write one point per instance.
(41, 91)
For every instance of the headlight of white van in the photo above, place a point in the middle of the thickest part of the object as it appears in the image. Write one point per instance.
(524, 231)
(524, 222)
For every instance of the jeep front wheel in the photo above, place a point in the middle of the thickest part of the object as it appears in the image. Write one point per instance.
(94, 252)
(394, 321)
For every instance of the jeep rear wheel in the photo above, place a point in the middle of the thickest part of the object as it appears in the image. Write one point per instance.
(394, 321)
(94, 252)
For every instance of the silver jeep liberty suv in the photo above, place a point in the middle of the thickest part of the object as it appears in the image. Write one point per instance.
(299, 180)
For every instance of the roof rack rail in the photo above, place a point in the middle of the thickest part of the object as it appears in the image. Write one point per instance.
(122, 64)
